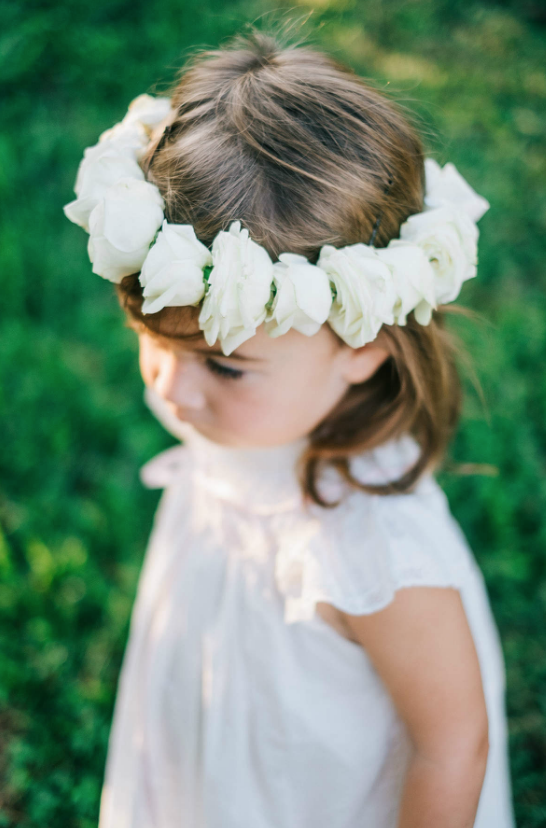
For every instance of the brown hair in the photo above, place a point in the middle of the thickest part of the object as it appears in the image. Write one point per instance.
(306, 153)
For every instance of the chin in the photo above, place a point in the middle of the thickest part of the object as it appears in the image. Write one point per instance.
(226, 439)
(212, 434)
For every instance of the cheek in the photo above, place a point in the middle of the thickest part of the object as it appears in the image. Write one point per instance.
(309, 395)
(278, 408)
(240, 408)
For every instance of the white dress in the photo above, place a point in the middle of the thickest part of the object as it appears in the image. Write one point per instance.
(238, 705)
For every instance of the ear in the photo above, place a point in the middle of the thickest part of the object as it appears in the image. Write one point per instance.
(359, 364)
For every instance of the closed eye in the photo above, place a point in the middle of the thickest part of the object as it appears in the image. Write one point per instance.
(223, 370)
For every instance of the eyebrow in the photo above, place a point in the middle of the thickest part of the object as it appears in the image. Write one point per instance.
(217, 352)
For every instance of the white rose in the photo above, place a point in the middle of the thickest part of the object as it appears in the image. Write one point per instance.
(447, 187)
(303, 298)
(110, 149)
(449, 238)
(239, 289)
(365, 293)
(147, 110)
(172, 273)
(123, 139)
(122, 227)
(97, 172)
(413, 279)
(143, 114)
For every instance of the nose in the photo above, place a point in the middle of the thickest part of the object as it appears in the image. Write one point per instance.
(177, 382)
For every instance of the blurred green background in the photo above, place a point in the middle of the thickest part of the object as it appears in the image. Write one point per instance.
(75, 431)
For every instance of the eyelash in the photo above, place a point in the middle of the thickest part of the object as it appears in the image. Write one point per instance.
(223, 370)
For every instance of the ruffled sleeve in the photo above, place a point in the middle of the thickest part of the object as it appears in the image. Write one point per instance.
(357, 555)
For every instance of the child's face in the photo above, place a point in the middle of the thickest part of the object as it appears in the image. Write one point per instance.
(269, 391)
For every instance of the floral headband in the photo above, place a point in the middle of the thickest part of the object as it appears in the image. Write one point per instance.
(356, 288)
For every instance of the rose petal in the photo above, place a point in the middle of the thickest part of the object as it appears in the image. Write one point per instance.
(448, 187)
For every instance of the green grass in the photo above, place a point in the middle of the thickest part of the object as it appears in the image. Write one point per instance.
(74, 517)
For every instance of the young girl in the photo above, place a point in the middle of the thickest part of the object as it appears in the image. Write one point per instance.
(311, 644)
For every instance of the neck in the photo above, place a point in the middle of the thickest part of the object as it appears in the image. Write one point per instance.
(261, 478)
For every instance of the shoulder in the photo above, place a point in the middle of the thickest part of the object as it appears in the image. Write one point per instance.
(378, 466)
(386, 462)
(369, 546)
(424, 502)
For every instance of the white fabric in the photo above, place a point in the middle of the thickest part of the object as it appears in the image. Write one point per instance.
(238, 704)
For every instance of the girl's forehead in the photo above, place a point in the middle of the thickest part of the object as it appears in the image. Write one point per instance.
(198, 344)
(292, 346)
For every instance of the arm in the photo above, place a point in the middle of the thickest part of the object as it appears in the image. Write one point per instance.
(422, 648)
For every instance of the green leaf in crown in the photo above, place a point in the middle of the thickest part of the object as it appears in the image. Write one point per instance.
(206, 273)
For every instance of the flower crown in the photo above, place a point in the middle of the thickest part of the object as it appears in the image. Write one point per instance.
(356, 288)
